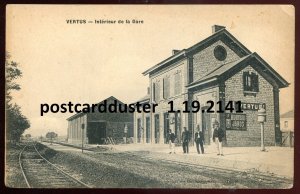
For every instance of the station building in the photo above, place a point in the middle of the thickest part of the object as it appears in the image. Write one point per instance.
(219, 68)
(98, 127)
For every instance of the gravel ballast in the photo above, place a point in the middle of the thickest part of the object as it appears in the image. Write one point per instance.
(111, 169)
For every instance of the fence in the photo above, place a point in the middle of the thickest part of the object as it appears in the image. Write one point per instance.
(288, 139)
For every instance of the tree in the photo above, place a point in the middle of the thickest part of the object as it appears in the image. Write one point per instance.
(28, 136)
(12, 72)
(51, 135)
(16, 122)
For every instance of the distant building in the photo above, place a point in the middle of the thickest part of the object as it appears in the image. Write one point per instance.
(287, 128)
(99, 126)
(287, 121)
(218, 69)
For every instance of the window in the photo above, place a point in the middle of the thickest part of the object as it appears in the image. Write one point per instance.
(166, 87)
(177, 86)
(220, 53)
(286, 124)
(156, 92)
(250, 82)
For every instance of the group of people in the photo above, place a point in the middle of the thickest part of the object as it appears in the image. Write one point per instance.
(217, 136)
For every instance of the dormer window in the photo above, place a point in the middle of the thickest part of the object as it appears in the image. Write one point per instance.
(250, 82)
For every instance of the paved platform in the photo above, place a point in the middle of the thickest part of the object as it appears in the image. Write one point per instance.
(275, 160)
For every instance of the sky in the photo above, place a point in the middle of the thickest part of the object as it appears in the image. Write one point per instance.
(86, 63)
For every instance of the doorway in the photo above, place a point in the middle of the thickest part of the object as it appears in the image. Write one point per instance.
(166, 126)
(96, 132)
(206, 125)
(147, 130)
(178, 126)
(139, 134)
(156, 128)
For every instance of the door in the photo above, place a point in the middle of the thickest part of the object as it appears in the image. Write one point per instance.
(96, 132)
(206, 125)
(147, 130)
(166, 126)
(178, 126)
(139, 134)
(101, 132)
(156, 128)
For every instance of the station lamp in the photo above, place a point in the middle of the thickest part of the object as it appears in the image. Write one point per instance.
(261, 118)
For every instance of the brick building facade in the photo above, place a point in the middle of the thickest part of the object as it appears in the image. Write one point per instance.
(218, 69)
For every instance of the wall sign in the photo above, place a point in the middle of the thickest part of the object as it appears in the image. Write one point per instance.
(252, 106)
(236, 121)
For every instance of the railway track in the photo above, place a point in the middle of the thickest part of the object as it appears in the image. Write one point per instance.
(38, 172)
(261, 179)
(222, 172)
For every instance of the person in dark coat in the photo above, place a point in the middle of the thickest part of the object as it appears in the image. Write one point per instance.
(185, 140)
(218, 136)
(171, 140)
(199, 139)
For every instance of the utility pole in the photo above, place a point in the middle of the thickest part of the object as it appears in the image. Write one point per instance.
(125, 133)
(82, 137)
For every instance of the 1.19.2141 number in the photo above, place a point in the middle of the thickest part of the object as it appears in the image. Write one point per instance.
(221, 107)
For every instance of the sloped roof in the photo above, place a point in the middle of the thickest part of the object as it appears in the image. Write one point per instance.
(182, 53)
(145, 98)
(289, 114)
(81, 113)
(223, 69)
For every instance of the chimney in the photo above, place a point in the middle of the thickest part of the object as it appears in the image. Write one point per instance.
(174, 51)
(216, 28)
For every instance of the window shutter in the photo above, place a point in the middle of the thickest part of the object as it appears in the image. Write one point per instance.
(168, 87)
(157, 98)
(154, 93)
(177, 81)
(255, 82)
(245, 81)
(179, 87)
(164, 88)
(175, 84)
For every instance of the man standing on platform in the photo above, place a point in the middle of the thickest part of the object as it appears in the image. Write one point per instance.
(171, 140)
(185, 140)
(218, 136)
(199, 139)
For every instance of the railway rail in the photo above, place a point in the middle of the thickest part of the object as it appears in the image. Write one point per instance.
(225, 173)
(38, 172)
(222, 172)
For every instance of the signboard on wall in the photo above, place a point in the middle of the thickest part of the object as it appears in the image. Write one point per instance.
(252, 106)
(236, 121)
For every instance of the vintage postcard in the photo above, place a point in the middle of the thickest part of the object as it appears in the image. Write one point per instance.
(150, 96)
